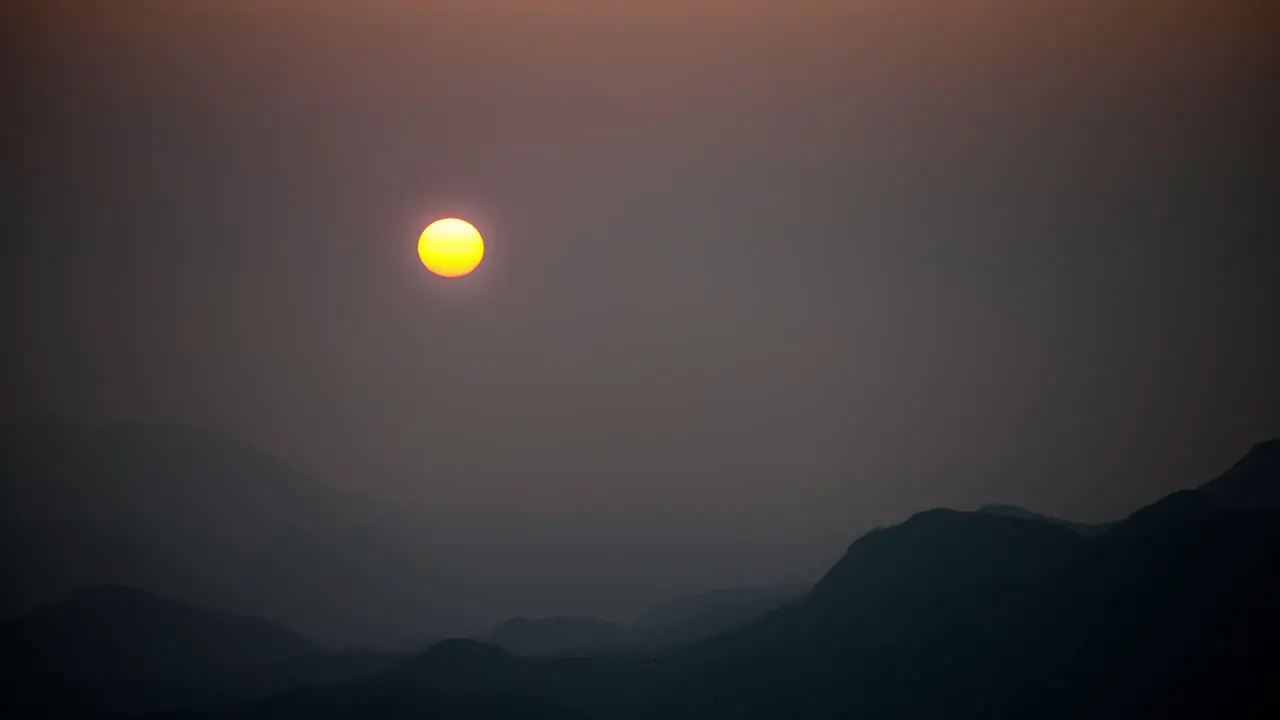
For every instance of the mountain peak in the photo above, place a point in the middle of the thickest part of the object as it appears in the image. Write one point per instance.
(1017, 511)
(948, 548)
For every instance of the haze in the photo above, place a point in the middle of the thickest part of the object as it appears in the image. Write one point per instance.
(757, 280)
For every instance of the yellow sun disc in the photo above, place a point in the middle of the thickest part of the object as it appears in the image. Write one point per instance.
(451, 247)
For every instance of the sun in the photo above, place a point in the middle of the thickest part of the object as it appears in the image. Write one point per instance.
(451, 247)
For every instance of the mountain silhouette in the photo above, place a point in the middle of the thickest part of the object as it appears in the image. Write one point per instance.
(1251, 483)
(1172, 615)
(921, 602)
(113, 648)
(194, 514)
(946, 550)
(950, 614)
(1014, 511)
(1184, 510)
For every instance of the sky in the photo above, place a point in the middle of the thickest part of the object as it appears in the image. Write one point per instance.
(759, 275)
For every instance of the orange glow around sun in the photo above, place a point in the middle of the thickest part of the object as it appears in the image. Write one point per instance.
(451, 247)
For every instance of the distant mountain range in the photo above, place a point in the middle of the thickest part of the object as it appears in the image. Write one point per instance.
(189, 513)
(1171, 612)
(989, 614)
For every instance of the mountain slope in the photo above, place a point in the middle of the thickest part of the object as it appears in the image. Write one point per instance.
(909, 617)
(115, 648)
(1173, 615)
(1160, 618)
(955, 615)
(797, 660)
(194, 514)
(1252, 483)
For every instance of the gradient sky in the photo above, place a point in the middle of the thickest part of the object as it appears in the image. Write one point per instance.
(758, 276)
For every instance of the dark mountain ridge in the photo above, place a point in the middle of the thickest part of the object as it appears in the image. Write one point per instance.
(114, 648)
(1250, 484)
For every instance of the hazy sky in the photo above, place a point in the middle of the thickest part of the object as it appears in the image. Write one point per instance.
(759, 275)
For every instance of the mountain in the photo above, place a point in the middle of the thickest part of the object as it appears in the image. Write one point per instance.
(340, 703)
(120, 649)
(1251, 483)
(948, 614)
(952, 614)
(883, 606)
(684, 608)
(901, 622)
(695, 617)
(1174, 615)
(675, 623)
(682, 621)
(977, 615)
(797, 661)
(454, 679)
(198, 515)
(1180, 512)
(1015, 511)
(553, 636)
(946, 550)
